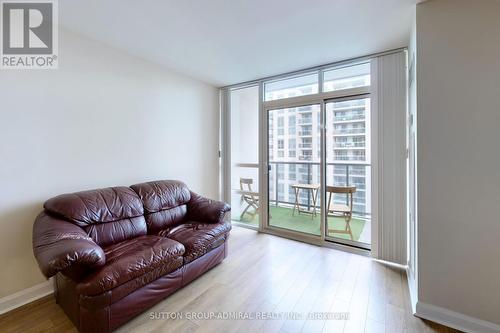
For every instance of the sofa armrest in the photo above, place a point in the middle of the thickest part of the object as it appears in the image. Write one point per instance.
(59, 244)
(205, 210)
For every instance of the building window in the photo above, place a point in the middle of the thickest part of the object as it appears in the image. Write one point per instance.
(347, 77)
(304, 84)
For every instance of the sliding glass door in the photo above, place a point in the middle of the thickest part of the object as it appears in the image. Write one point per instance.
(306, 140)
(294, 155)
(348, 170)
(296, 198)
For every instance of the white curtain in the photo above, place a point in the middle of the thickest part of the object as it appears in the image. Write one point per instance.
(389, 199)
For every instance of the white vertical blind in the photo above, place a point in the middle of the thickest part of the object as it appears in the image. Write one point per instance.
(389, 92)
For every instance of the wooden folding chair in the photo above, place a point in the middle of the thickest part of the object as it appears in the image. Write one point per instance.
(341, 209)
(249, 197)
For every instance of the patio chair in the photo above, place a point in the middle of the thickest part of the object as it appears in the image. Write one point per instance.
(249, 197)
(341, 209)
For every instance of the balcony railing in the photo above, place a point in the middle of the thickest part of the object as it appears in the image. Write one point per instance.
(350, 144)
(304, 175)
(349, 118)
(340, 131)
(350, 157)
(305, 157)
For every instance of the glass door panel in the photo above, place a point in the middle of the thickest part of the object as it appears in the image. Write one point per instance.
(348, 171)
(294, 156)
(244, 118)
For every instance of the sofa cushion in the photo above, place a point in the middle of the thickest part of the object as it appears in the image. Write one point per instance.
(164, 203)
(199, 238)
(96, 206)
(106, 234)
(131, 259)
(108, 215)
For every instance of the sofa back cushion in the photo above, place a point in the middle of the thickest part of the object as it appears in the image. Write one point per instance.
(108, 215)
(164, 203)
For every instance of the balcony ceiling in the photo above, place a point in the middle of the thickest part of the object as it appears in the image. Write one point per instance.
(223, 42)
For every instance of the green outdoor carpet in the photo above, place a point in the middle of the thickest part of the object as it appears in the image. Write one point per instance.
(282, 217)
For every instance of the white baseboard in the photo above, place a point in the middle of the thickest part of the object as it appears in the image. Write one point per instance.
(26, 296)
(454, 319)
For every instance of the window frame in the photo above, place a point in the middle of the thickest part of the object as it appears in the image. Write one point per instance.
(298, 101)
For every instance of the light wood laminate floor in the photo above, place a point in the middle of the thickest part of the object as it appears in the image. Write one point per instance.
(270, 275)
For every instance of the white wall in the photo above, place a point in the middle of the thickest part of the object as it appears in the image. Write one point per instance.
(102, 119)
(458, 54)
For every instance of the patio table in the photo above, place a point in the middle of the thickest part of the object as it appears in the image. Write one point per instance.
(313, 188)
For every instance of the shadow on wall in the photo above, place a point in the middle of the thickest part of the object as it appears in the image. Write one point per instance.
(19, 267)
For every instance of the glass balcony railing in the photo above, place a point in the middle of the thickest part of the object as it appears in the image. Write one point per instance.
(340, 131)
(350, 157)
(305, 120)
(349, 118)
(349, 173)
(350, 144)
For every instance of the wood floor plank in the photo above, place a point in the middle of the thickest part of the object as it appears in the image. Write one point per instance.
(267, 275)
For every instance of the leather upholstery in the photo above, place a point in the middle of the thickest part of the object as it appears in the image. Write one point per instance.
(164, 203)
(108, 215)
(206, 210)
(119, 250)
(96, 206)
(58, 245)
(106, 234)
(149, 295)
(130, 259)
(199, 238)
(199, 266)
(124, 308)
(162, 194)
(67, 297)
(159, 223)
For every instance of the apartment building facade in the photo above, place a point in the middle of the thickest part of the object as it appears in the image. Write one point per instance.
(294, 146)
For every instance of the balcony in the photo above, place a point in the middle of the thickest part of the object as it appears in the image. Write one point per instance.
(305, 121)
(304, 110)
(342, 132)
(350, 118)
(350, 145)
(350, 157)
(282, 198)
(281, 217)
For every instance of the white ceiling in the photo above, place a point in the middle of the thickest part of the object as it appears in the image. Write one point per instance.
(230, 41)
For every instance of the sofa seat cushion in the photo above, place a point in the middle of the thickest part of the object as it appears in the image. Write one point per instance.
(133, 259)
(199, 238)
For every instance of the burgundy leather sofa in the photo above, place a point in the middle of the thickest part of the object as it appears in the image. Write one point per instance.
(117, 251)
